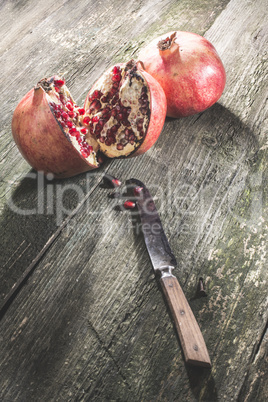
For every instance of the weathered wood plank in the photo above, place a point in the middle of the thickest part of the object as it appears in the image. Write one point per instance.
(91, 323)
(81, 41)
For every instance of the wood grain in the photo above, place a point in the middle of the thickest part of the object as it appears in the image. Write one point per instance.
(192, 341)
(90, 323)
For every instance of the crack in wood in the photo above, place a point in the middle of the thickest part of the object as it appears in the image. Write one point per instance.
(108, 352)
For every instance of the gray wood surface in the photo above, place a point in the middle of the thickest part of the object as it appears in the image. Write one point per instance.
(90, 323)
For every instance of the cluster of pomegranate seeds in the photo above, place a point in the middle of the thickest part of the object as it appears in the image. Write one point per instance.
(70, 116)
(119, 110)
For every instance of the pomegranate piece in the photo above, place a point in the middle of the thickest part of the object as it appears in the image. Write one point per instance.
(127, 108)
(49, 131)
(189, 70)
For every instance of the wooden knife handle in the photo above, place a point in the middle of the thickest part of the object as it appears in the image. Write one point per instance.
(191, 338)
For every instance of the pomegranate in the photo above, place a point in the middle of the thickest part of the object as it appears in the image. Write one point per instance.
(127, 109)
(189, 70)
(48, 129)
(123, 116)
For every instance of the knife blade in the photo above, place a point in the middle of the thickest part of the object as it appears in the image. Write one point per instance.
(163, 262)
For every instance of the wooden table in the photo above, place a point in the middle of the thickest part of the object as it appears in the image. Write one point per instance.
(90, 322)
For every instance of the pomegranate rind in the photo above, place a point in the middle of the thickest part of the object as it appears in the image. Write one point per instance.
(41, 140)
(158, 106)
(190, 72)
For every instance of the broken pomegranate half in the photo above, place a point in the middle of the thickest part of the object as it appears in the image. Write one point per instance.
(126, 109)
(123, 116)
(48, 129)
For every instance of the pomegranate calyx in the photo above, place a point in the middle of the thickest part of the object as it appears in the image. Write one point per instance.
(45, 84)
(165, 44)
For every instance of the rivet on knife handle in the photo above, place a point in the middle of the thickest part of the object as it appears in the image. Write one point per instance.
(163, 261)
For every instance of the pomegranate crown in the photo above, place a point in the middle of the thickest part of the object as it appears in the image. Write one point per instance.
(165, 44)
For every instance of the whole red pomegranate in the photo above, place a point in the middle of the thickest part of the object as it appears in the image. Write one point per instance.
(123, 115)
(189, 70)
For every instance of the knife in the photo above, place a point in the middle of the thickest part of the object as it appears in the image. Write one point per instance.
(163, 261)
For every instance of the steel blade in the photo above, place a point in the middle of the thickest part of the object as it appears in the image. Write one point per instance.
(156, 241)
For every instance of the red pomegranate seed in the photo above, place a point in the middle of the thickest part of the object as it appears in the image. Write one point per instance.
(86, 120)
(119, 146)
(111, 180)
(84, 153)
(113, 91)
(65, 116)
(106, 110)
(71, 114)
(72, 130)
(57, 114)
(95, 95)
(137, 191)
(129, 204)
(69, 124)
(54, 106)
(116, 182)
(70, 106)
(62, 99)
(83, 131)
(116, 69)
(116, 77)
(57, 89)
(81, 111)
(59, 82)
(114, 129)
(95, 119)
(96, 104)
(98, 128)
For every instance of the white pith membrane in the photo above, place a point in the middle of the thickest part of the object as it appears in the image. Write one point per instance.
(119, 108)
(70, 117)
